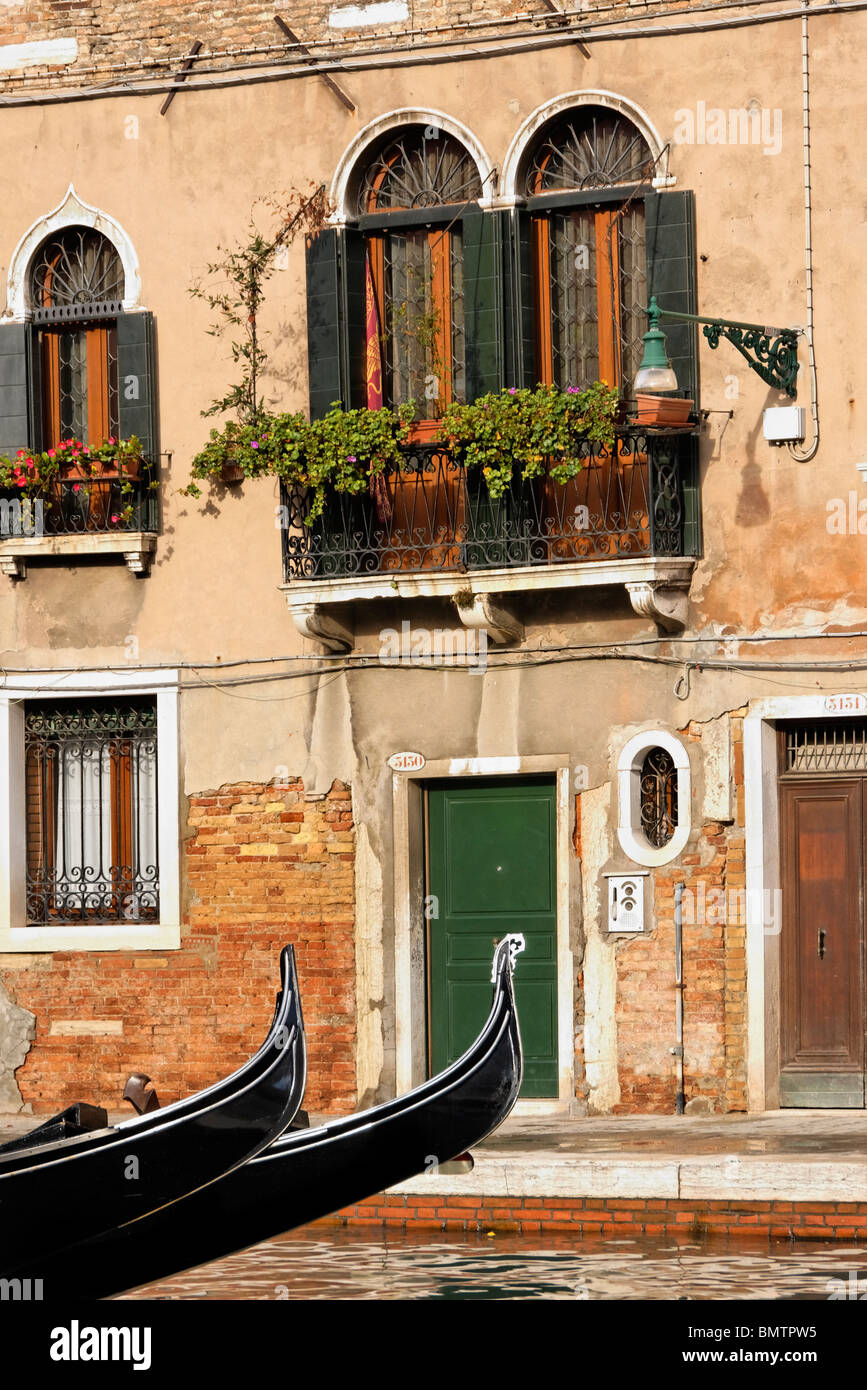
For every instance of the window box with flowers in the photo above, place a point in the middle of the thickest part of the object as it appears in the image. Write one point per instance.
(75, 497)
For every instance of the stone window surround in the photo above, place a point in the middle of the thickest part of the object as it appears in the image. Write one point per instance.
(632, 839)
(497, 190)
(71, 211)
(15, 935)
(136, 547)
(409, 924)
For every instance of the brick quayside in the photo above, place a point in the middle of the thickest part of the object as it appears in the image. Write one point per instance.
(263, 867)
(584, 1216)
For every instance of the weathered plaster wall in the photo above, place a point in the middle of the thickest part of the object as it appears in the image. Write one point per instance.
(17, 1029)
(181, 185)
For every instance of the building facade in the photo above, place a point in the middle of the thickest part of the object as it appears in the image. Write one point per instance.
(642, 684)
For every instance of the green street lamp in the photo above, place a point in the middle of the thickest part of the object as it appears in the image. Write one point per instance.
(771, 352)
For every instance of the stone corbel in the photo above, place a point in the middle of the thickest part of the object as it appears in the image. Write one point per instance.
(138, 561)
(318, 623)
(483, 613)
(13, 566)
(666, 603)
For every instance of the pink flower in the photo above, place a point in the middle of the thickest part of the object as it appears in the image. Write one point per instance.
(51, 453)
(76, 487)
(112, 441)
(115, 518)
(20, 454)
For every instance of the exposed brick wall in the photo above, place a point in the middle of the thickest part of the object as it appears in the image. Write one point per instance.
(135, 37)
(712, 868)
(589, 1216)
(263, 867)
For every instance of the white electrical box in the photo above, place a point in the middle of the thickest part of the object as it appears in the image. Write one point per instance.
(626, 902)
(784, 424)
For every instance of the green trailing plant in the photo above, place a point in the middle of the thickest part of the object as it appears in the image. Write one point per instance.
(530, 431)
(345, 451)
(342, 452)
(237, 291)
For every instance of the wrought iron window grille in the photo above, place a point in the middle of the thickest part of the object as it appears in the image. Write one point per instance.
(423, 167)
(91, 811)
(590, 148)
(826, 747)
(658, 790)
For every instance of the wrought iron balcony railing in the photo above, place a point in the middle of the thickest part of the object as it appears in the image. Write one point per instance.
(83, 506)
(433, 514)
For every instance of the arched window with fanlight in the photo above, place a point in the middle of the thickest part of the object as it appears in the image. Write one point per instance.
(404, 296)
(77, 351)
(76, 289)
(584, 181)
(411, 195)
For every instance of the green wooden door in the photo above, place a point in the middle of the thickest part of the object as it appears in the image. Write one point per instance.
(492, 870)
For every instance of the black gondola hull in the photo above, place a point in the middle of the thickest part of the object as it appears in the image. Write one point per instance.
(59, 1194)
(310, 1173)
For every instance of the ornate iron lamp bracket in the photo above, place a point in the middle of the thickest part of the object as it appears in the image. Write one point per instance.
(771, 352)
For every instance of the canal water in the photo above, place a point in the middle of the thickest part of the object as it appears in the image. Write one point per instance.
(340, 1263)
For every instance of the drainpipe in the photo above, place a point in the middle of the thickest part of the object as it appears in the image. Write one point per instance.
(677, 1050)
(803, 455)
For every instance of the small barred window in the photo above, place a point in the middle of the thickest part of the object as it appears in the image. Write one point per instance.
(658, 797)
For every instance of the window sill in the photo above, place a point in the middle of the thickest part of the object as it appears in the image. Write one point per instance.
(136, 547)
(658, 588)
(109, 936)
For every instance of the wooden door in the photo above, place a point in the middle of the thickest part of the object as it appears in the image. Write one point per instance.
(822, 1033)
(492, 870)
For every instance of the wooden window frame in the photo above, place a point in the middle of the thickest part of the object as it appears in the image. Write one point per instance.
(100, 349)
(609, 306)
(440, 248)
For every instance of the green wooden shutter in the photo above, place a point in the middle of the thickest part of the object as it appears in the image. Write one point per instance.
(518, 314)
(690, 482)
(482, 236)
(136, 381)
(671, 276)
(16, 398)
(335, 319)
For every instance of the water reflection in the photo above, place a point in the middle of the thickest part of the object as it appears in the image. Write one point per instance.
(324, 1263)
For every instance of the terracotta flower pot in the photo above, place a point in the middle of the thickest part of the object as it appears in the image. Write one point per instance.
(232, 473)
(130, 468)
(662, 410)
(424, 432)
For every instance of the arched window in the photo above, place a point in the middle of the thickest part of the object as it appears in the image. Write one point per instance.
(584, 181)
(76, 293)
(411, 195)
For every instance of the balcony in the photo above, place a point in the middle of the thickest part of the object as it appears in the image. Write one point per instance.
(432, 529)
(96, 518)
